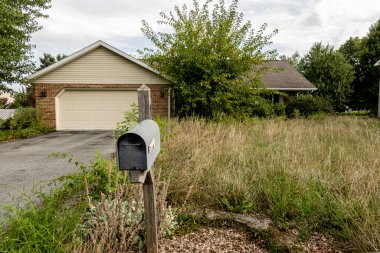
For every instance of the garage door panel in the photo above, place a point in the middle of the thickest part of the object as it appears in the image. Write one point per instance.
(65, 107)
(99, 115)
(87, 110)
(76, 124)
(75, 104)
(88, 116)
(110, 116)
(76, 115)
(108, 125)
(65, 124)
(88, 124)
(87, 105)
(99, 124)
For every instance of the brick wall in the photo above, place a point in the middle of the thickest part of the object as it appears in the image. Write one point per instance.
(47, 104)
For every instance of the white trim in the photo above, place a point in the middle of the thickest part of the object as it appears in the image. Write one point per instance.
(85, 51)
(56, 104)
(293, 89)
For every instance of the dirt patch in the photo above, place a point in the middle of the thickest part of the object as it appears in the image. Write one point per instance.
(232, 240)
(228, 232)
(218, 240)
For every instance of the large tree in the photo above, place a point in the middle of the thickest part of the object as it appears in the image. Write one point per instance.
(363, 53)
(18, 22)
(330, 72)
(207, 55)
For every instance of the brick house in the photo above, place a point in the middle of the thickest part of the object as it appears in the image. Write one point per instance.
(93, 87)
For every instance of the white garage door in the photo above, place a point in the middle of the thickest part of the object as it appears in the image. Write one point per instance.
(92, 109)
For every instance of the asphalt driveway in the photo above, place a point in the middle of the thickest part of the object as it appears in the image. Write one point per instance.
(26, 163)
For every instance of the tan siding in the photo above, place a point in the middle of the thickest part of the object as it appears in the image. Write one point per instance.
(101, 66)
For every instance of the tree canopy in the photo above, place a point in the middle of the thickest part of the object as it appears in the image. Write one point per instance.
(48, 59)
(294, 59)
(208, 55)
(18, 23)
(363, 53)
(330, 72)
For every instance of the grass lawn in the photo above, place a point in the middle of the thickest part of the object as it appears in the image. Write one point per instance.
(318, 175)
(10, 135)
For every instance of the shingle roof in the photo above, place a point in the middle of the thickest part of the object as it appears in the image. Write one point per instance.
(281, 75)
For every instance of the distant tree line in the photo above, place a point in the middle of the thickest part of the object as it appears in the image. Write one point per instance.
(347, 76)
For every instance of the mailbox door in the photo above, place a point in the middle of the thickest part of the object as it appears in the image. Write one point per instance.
(132, 153)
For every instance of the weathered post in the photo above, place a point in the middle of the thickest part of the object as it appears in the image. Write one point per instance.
(144, 104)
(136, 151)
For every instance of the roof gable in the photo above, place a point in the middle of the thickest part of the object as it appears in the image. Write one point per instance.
(98, 63)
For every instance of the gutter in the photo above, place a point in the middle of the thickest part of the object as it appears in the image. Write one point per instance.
(293, 89)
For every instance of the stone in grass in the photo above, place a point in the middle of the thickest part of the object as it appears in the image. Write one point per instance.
(261, 223)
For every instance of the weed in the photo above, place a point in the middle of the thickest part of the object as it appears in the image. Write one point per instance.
(131, 119)
(236, 205)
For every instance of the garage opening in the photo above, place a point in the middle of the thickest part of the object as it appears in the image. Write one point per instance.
(92, 109)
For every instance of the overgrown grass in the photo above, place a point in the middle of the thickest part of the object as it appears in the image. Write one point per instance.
(92, 210)
(319, 175)
(47, 225)
(14, 134)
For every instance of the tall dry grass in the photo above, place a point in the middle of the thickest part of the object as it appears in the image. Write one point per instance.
(316, 174)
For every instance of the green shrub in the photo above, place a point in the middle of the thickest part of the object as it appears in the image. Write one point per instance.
(262, 108)
(24, 118)
(308, 105)
(279, 109)
(5, 124)
(248, 102)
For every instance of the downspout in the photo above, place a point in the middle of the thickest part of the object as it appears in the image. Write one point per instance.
(377, 64)
(169, 102)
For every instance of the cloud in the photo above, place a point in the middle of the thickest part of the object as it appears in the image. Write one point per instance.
(74, 24)
(312, 20)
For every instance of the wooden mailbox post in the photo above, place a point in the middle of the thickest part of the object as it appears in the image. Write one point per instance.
(136, 151)
(144, 103)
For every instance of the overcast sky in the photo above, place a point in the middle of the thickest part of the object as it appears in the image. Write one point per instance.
(74, 24)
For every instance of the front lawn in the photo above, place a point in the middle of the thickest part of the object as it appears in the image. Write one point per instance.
(312, 175)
